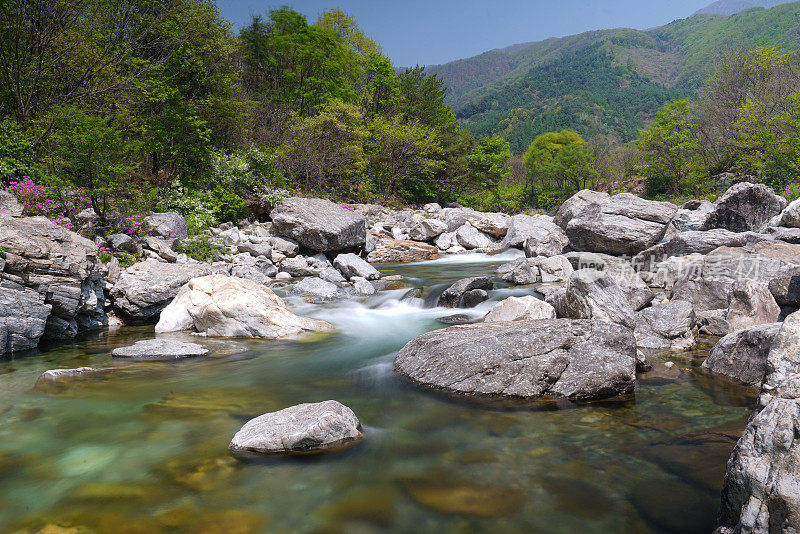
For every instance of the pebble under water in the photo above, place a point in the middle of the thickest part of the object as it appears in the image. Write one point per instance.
(143, 446)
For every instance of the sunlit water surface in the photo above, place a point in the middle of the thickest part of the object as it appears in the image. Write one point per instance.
(143, 447)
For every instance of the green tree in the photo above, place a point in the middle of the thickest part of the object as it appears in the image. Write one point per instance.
(671, 147)
(346, 25)
(299, 66)
(404, 157)
(379, 88)
(488, 161)
(543, 150)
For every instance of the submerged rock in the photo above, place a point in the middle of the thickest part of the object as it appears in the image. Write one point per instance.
(54, 375)
(223, 306)
(465, 497)
(576, 359)
(160, 350)
(299, 429)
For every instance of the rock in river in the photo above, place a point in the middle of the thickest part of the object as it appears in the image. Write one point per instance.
(145, 289)
(319, 224)
(159, 350)
(742, 355)
(452, 296)
(224, 306)
(520, 309)
(576, 359)
(299, 429)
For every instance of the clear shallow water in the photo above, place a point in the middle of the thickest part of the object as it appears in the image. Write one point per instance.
(143, 448)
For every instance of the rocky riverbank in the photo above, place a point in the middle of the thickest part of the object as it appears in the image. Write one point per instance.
(621, 279)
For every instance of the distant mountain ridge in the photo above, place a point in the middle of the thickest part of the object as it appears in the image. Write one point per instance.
(604, 82)
(731, 7)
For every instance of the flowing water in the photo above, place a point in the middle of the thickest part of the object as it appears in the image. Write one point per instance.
(143, 447)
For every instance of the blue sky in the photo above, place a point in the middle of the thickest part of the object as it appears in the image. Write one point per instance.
(437, 31)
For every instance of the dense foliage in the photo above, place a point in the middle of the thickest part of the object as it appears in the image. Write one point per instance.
(158, 105)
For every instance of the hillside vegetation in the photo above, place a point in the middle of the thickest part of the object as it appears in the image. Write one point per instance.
(603, 83)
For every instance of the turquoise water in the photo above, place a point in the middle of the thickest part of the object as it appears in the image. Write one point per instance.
(143, 447)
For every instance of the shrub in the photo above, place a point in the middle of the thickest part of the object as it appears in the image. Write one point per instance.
(105, 257)
(125, 260)
(2, 253)
(201, 248)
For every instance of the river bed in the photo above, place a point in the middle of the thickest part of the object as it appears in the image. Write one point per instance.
(143, 447)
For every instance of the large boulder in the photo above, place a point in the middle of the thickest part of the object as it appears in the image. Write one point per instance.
(622, 224)
(144, 289)
(761, 491)
(596, 295)
(636, 290)
(522, 271)
(168, 225)
(666, 327)
(749, 304)
(692, 215)
(576, 204)
(389, 250)
(317, 290)
(494, 224)
(223, 306)
(520, 309)
(785, 286)
(579, 360)
(61, 266)
(470, 238)
(744, 207)
(23, 317)
(351, 265)
(544, 238)
(708, 286)
(299, 429)
(742, 355)
(319, 224)
(452, 296)
(695, 242)
(521, 227)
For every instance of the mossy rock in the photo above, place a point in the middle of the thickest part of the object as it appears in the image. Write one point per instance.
(373, 504)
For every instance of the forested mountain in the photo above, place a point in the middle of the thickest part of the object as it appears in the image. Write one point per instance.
(730, 7)
(603, 83)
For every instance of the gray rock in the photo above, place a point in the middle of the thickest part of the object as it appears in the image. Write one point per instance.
(168, 225)
(745, 206)
(622, 224)
(87, 216)
(579, 360)
(125, 243)
(162, 248)
(319, 224)
(544, 238)
(9, 205)
(317, 289)
(692, 242)
(785, 286)
(761, 490)
(523, 271)
(576, 204)
(666, 327)
(742, 355)
(553, 269)
(58, 264)
(445, 240)
(362, 287)
(427, 229)
(287, 247)
(23, 318)
(231, 236)
(692, 216)
(520, 228)
(259, 270)
(451, 297)
(329, 274)
(790, 217)
(591, 294)
(749, 304)
(666, 273)
(146, 288)
(351, 265)
(256, 249)
(470, 238)
(635, 289)
(493, 224)
(159, 350)
(297, 267)
(299, 429)
(455, 218)
(473, 297)
(520, 309)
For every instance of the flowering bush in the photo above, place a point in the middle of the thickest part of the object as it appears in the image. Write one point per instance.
(36, 200)
(347, 207)
(133, 225)
(792, 191)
